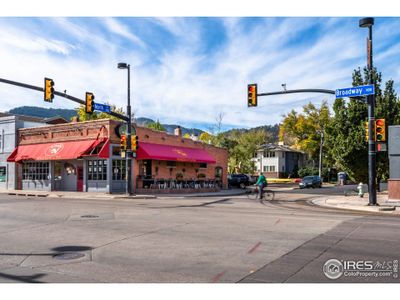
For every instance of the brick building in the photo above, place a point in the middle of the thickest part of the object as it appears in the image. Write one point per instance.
(85, 156)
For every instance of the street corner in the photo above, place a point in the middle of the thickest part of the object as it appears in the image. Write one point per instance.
(356, 203)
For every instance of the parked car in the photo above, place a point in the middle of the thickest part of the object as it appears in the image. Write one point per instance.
(238, 180)
(252, 179)
(310, 181)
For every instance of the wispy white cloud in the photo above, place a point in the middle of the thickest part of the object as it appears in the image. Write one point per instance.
(118, 28)
(19, 40)
(181, 82)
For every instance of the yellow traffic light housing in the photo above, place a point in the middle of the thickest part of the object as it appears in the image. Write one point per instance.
(380, 130)
(252, 95)
(135, 142)
(89, 104)
(123, 142)
(366, 131)
(48, 90)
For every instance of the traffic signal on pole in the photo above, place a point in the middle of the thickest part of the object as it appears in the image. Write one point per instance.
(380, 130)
(252, 95)
(123, 142)
(48, 90)
(366, 131)
(135, 142)
(89, 104)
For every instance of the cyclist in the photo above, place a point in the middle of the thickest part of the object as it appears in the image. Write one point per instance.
(262, 183)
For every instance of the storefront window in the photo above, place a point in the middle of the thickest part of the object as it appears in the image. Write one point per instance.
(35, 171)
(3, 173)
(97, 169)
(203, 166)
(118, 169)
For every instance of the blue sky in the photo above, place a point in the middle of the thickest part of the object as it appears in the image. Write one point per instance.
(187, 70)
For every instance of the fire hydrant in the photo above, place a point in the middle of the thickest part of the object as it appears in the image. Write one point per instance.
(360, 189)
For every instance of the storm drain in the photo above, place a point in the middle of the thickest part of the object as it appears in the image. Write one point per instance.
(68, 255)
(89, 216)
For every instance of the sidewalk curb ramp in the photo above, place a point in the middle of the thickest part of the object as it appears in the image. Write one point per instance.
(383, 208)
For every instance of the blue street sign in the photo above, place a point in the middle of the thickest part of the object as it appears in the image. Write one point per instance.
(102, 107)
(356, 91)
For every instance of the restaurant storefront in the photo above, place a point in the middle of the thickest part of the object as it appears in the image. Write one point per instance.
(85, 156)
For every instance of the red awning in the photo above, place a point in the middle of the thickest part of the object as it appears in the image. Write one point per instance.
(167, 152)
(52, 151)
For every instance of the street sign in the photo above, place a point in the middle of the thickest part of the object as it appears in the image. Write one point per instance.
(102, 107)
(356, 91)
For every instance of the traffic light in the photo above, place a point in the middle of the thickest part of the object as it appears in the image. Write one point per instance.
(135, 142)
(89, 104)
(48, 90)
(380, 130)
(123, 142)
(366, 131)
(252, 95)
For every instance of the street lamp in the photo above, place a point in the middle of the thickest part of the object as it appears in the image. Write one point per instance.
(321, 145)
(128, 132)
(368, 23)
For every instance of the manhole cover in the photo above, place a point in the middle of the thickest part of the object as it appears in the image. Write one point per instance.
(89, 216)
(68, 255)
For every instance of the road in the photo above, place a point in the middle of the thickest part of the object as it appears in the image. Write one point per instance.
(211, 240)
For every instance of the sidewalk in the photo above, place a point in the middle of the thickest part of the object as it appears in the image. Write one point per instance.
(105, 196)
(360, 204)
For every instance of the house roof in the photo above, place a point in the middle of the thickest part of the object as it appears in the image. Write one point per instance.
(275, 147)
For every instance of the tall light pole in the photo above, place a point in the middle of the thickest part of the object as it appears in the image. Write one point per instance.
(128, 132)
(321, 145)
(369, 22)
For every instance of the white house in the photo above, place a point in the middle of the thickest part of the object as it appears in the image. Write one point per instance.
(278, 161)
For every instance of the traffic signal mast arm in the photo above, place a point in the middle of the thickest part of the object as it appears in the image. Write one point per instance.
(298, 91)
(64, 95)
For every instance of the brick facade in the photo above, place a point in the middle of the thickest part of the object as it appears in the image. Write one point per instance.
(191, 169)
(106, 128)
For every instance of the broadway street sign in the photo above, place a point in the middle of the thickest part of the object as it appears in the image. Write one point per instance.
(102, 107)
(356, 91)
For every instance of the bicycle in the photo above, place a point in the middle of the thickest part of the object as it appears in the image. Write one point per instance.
(252, 193)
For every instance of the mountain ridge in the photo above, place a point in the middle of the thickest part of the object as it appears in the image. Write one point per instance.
(35, 111)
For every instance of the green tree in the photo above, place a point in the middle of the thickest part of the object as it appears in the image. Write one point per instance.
(205, 137)
(303, 130)
(156, 126)
(243, 150)
(83, 116)
(346, 139)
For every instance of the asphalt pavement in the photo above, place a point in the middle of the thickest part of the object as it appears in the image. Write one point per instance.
(224, 239)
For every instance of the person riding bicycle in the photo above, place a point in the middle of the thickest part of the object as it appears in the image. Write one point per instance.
(262, 183)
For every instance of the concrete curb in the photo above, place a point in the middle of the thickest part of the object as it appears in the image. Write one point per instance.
(119, 197)
(383, 208)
